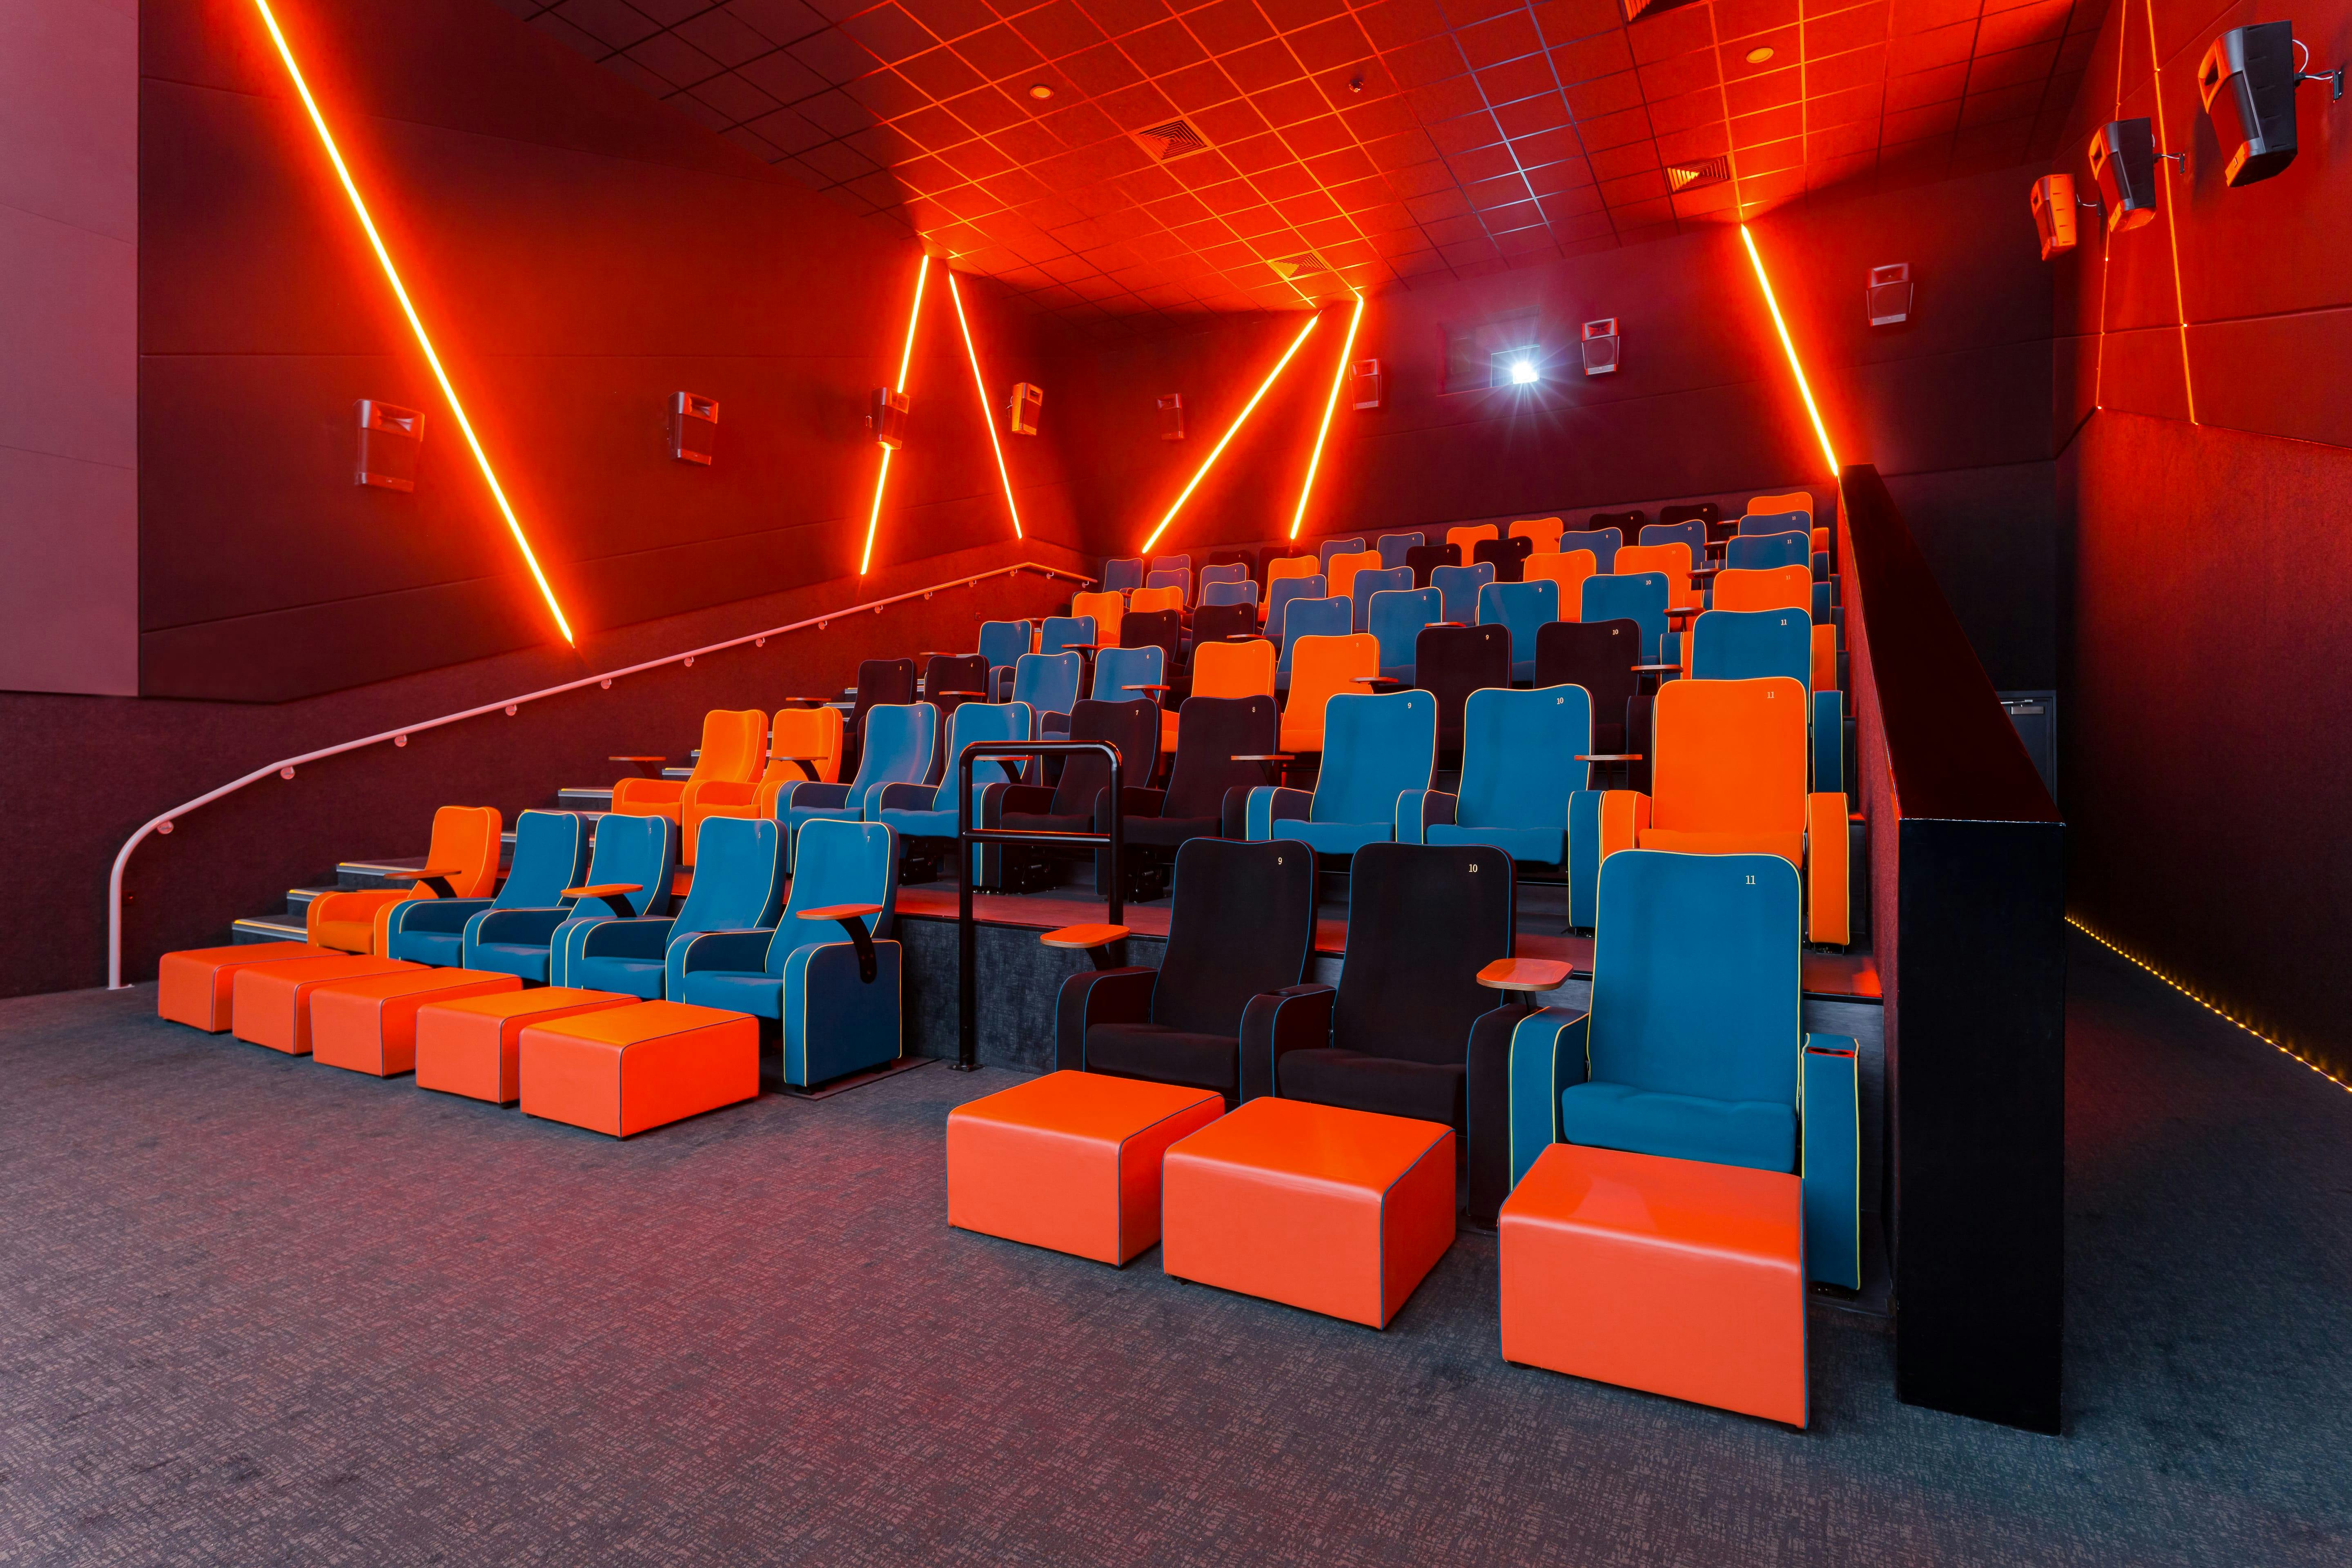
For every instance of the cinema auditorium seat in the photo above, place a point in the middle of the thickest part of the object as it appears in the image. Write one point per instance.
(1241, 930)
(734, 747)
(881, 683)
(1639, 597)
(1123, 575)
(804, 746)
(1226, 571)
(837, 1003)
(1206, 786)
(1690, 535)
(1165, 597)
(1466, 537)
(1288, 590)
(950, 680)
(1329, 548)
(1458, 588)
(1599, 657)
(1325, 667)
(1062, 632)
(1224, 623)
(1340, 572)
(925, 816)
(1168, 579)
(1396, 619)
(901, 741)
(1450, 661)
(1244, 669)
(1394, 547)
(1283, 568)
(1310, 619)
(1508, 556)
(1524, 609)
(1172, 571)
(1377, 751)
(1567, 568)
(1002, 642)
(1123, 674)
(1073, 802)
(1788, 501)
(1762, 552)
(551, 851)
(628, 875)
(1672, 561)
(197, 985)
(1790, 588)
(739, 886)
(1426, 559)
(1605, 543)
(1694, 1046)
(473, 1045)
(462, 862)
(1627, 523)
(1161, 629)
(1517, 776)
(1543, 531)
(1745, 645)
(626, 1070)
(1367, 582)
(1048, 683)
(1215, 593)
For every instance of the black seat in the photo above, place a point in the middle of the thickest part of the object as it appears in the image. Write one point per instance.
(1452, 662)
(1216, 622)
(1426, 558)
(884, 683)
(1164, 628)
(1073, 803)
(1628, 523)
(1599, 657)
(1509, 556)
(1243, 929)
(1215, 731)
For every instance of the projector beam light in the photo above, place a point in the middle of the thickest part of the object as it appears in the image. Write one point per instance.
(906, 358)
(987, 414)
(1788, 348)
(415, 324)
(1234, 429)
(1338, 380)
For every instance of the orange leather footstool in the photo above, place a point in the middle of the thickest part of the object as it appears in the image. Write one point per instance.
(1340, 1212)
(624, 1069)
(1070, 1161)
(1670, 1276)
(471, 1047)
(272, 1001)
(192, 986)
(369, 1025)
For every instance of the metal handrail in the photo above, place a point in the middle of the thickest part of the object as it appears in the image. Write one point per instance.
(284, 767)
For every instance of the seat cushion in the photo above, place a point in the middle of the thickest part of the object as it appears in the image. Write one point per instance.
(921, 824)
(1166, 1056)
(1757, 1134)
(1046, 822)
(1537, 845)
(511, 958)
(1168, 832)
(630, 977)
(1336, 837)
(1384, 1085)
(759, 994)
(442, 949)
(1789, 846)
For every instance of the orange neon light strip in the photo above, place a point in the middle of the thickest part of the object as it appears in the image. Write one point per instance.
(987, 414)
(1788, 348)
(1338, 380)
(2172, 229)
(906, 358)
(1234, 429)
(391, 274)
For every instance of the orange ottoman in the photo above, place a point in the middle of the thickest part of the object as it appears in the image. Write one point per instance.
(1070, 1161)
(470, 1047)
(369, 1025)
(272, 1001)
(1340, 1212)
(192, 986)
(1670, 1276)
(624, 1069)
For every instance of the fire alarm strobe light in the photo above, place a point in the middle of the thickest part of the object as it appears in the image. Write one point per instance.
(1171, 417)
(1368, 383)
(1021, 413)
(2053, 202)
(390, 439)
(1888, 296)
(888, 417)
(1600, 345)
(693, 427)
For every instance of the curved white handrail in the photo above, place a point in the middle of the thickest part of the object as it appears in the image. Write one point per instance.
(284, 767)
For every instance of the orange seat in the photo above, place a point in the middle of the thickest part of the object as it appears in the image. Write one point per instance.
(1106, 607)
(797, 732)
(1468, 538)
(1791, 501)
(471, 1047)
(1321, 669)
(1341, 574)
(270, 1002)
(1225, 669)
(1143, 601)
(1070, 1161)
(1544, 530)
(1669, 1276)
(1340, 1212)
(624, 1070)
(465, 851)
(1567, 568)
(1674, 560)
(193, 986)
(369, 1025)
(1280, 568)
(734, 746)
(1765, 588)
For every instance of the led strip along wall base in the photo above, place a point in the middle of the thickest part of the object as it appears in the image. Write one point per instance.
(1234, 429)
(987, 414)
(1790, 348)
(416, 325)
(906, 358)
(1338, 380)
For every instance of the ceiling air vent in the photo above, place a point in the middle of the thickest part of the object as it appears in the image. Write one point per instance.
(1637, 9)
(1300, 266)
(1690, 176)
(1170, 140)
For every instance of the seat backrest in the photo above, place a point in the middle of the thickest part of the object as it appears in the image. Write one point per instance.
(1282, 591)
(1049, 682)
(465, 844)
(1742, 644)
(1340, 572)
(1423, 920)
(1224, 571)
(1234, 669)
(1321, 668)
(1171, 564)
(1241, 923)
(1162, 596)
(804, 732)
(1544, 530)
(1465, 538)
(1599, 656)
(1311, 619)
(739, 876)
(1368, 582)
(1756, 522)
(1702, 512)
(973, 724)
(1214, 623)
(881, 681)
(1508, 556)
(1215, 731)
(1096, 615)
(1132, 726)
(1283, 566)
(1639, 596)
(1123, 575)
(1002, 642)
(1673, 558)
(1179, 582)
(949, 674)
(1117, 668)
(1330, 547)
(1696, 975)
(1525, 607)
(900, 741)
(836, 862)
(1396, 619)
(734, 745)
(1731, 756)
(1518, 752)
(1568, 568)
(1426, 559)
(1752, 552)
(1375, 747)
(1239, 591)
(1772, 588)
(1459, 587)
(1392, 547)
(639, 849)
(1162, 629)
(1690, 535)
(1605, 543)
(1450, 662)
(1787, 501)
(551, 851)
(1628, 524)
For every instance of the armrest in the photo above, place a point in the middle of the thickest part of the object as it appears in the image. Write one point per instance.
(1270, 804)
(1134, 800)
(1829, 1159)
(816, 796)
(1828, 898)
(741, 951)
(433, 878)
(904, 797)
(360, 904)
(1419, 809)
(1031, 798)
(1096, 941)
(721, 792)
(640, 936)
(436, 914)
(647, 792)
(615, 896)
(852, 919)
(1276, 1022)
(1097, 996)
(1624, 816)
(1546, 1054)
(527, 927)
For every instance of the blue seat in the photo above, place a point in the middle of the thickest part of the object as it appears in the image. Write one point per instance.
(1284, 592)
(1777, 522)
(1223, 572)
(1240, 591)
(834, 1015)
(902, 740)
(1605, 543)
(927, 811)
(1392, 547)
(1693, 533)
(1378, 751)
(1636, 597)
(1525, 608)
(1367, 583)
(1519, 775)
(739, 884)
(1311, 619)
(634, 853)
(1122, 576)
(1171, 578)
(1745, 644)
(1459, 586)
(1060, 631)
(1397, 616)
(1002, 642)
(1768, 550)
(1048, 683)
(551, 851)
(1694, 1046)
(1117, 668)
(1330, 547)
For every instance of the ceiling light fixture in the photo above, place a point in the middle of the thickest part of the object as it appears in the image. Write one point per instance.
(1790, 348)
(1038, 90)
(1234, 429)
(1759, 56)
(906, 358)
(1338, 379)
(987, 414)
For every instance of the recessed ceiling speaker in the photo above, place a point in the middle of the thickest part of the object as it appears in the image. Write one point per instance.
(1366, 384)
(1600, 347)
(1171, 417)
(2123, 160)
(2248, 84)
(1887, 299)
(2053, 202)
(888, 417)
(1021, 412)
(390, 439)
(693, 427)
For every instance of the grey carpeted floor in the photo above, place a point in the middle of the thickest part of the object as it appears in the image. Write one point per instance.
(254, 1311)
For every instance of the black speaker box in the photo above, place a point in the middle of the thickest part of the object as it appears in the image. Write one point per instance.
(2248, 85)
(2123, 160)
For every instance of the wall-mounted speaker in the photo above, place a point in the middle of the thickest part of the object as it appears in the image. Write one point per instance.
(693, 427)
(2248, 85)
(2053, 202)
(1021, 412)
(2123, 160)
(1171, 417)
(1601, 347)
(1366, 384)
(888, 417)
(1887, 296)
(391, 438)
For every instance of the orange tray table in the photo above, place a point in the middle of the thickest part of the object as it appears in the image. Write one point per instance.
(1669, 1276)
(194, 985)
(1070, 1161)
(272, 1001)
(369, 1025)
(472, 1046)
(627, 1070)
(1340, 1212)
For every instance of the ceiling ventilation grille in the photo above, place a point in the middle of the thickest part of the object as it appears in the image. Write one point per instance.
(1170, 140)
(1690, 176)
(1637, 9)
(1300, 266)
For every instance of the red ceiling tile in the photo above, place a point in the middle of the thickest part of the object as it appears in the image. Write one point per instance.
(1710, 140)
(1506, 37)
(1057, 28)
(1445, 100)
(1546, 147)
(1824, 173)
(1692, 72)
(1226, 25)
(1559, 207)
(1290, 103)
(1312, 137)
(1390, 153)
(1257, 67)
(1617, 162)
(1447, 202)
(1854, 104)
(1923, 51)
(1283, 180)
(1468, 253)
(1762, 92)
(1564, 21)
(887, 94)
(1100, 69)
(1590, 58)
(1923, 16)
(1080, 124)
(1386, 219)
(1925, 86)
(889, 32)
(950, 18)
(1771, 155)
(1645, 186)
(1535, 241)
(1910, 124)
(1029, 144)
(1544, 111)
(1256, 152)
(1197, 87)
(1839, 140)
(1773, 125)
(1672, 32)
(1421, 179)
(2009, 69)
(1776, 186)
(1785, 43)
(1162, 48)
(1568, 174)
(1345, 166)
(1396, 23)
(1608, 95)
(1223, 123)
(1851, 69)
(886, 145)
(1328, 44)
(1465, 133)
(1490, 196)
(1615, 130)
(1431, 60)
(1289, 16)
(1481, 163)
(1517, 79)
(1381, 117)
(1854, 30)
(2043, 22)
(1313, 207)
(1739, 18)
(976, 160)
(2005, 103)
